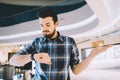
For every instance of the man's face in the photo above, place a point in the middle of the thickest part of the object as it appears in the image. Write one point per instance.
(48, 26)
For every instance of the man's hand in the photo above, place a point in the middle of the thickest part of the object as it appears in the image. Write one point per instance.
(99, 50)
(43, 58)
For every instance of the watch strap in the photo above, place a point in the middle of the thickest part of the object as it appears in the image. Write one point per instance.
(32, 57)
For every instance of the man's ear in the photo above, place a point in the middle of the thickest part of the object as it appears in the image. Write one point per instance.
(56, 23)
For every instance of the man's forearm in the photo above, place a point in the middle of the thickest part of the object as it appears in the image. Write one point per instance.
(82, 65)
(20, 60)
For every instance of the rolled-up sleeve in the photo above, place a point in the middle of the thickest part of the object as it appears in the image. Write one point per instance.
(29, 49)
(74, 59)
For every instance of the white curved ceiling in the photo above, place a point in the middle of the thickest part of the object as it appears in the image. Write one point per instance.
(108, 13)
(98, 17)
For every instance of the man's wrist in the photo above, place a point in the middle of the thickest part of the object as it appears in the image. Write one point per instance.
(32, 57)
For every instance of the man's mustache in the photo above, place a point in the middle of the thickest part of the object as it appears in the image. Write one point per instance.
(46, 31)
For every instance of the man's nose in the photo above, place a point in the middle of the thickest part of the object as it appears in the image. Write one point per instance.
(44, 28)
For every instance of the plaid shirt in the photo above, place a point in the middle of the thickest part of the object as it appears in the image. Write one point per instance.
(63, 52)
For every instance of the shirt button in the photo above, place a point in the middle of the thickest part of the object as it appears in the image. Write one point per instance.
(51, 78)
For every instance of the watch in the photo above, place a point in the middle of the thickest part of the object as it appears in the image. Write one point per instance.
(32, 57)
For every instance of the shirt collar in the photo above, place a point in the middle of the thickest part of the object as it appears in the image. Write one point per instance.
(60, 37)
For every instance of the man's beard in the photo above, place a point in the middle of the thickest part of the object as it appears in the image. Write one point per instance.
(49, 35)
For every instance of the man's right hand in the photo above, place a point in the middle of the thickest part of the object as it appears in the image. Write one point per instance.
(43, 58)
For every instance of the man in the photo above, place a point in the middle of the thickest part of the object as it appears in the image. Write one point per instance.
(53, 53)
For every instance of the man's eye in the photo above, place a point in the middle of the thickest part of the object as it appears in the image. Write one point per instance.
(48, 25)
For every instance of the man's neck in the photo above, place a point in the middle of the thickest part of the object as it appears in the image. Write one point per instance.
(55, 35)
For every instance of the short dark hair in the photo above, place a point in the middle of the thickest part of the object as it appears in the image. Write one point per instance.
(47, 12)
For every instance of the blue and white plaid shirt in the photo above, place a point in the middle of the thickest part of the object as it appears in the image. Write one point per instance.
(63, 52)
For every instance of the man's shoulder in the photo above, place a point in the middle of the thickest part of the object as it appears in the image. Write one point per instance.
(38, 39)
(68, 38)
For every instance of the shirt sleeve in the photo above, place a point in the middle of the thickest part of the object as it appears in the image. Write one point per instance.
(29, 49)
(74, 59)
